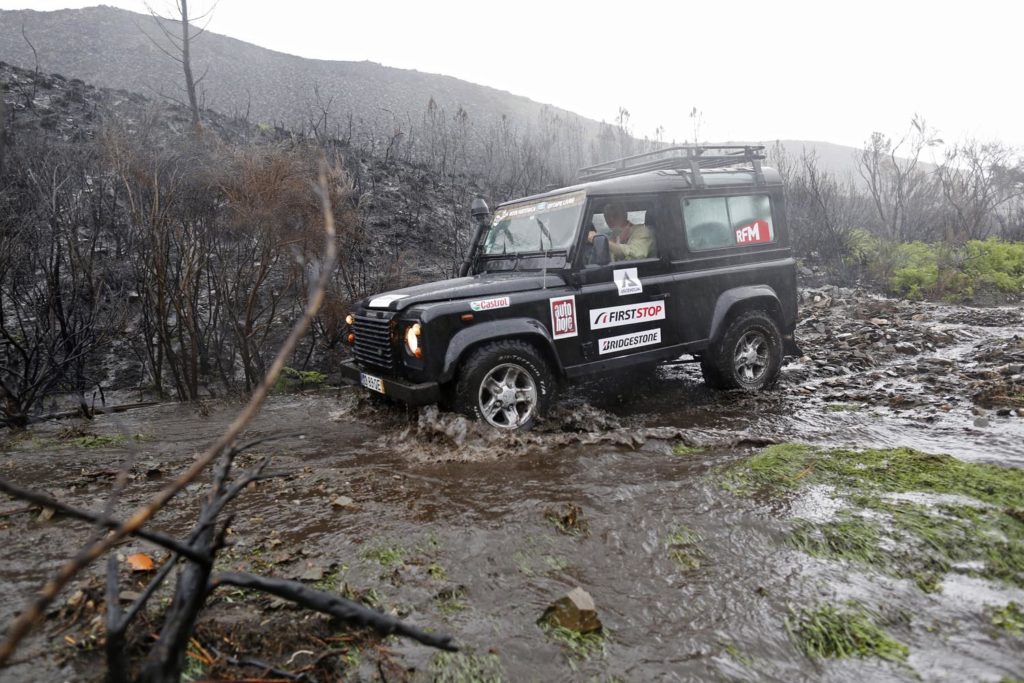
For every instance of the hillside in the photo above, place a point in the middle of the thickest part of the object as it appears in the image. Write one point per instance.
(109, 47)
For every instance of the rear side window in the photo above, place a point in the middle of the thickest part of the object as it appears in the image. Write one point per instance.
(722, 222)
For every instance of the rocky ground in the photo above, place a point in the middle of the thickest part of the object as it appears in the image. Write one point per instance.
(877, 351)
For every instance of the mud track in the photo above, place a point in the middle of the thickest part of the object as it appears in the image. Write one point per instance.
(457, 528)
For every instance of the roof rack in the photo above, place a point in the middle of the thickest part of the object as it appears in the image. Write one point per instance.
(692, 158)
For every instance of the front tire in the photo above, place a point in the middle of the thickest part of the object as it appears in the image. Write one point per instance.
(749, 356)
(505, 384)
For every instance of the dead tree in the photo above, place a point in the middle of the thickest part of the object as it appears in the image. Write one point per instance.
(181, 47)
(904, 198)
(56, 302)
(196, 582)
(978, 180)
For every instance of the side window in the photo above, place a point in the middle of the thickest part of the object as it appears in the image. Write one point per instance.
(629, 224)
(721, 222)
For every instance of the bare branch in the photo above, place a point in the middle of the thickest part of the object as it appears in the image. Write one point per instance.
(87, 516)
(328, 603)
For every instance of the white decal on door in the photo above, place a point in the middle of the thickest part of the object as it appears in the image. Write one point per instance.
(627, 281)
(627, 315)
(629, 341)
(563, 317)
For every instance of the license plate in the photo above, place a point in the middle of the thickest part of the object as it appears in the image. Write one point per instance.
(371, 382)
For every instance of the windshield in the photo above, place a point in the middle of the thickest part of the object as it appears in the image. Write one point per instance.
(548, 225)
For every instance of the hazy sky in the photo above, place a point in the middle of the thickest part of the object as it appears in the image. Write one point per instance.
(819, 70)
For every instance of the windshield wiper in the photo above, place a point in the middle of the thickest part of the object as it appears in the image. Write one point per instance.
(544, 233)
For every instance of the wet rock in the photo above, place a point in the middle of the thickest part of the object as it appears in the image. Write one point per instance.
(907, 348)
(575, 611)
(313, 571)
(981, 422)
(344, 503)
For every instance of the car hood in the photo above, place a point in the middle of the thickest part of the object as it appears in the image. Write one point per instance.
(474, 287)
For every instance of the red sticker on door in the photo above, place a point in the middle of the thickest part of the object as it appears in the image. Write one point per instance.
(563, 317)
(757, 232)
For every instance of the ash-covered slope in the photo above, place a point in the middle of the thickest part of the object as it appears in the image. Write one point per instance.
(109, 47)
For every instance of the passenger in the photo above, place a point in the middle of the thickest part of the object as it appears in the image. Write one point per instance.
(628, 241)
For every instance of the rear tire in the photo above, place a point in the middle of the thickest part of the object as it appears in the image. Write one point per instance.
(749, 355)
(506, 384)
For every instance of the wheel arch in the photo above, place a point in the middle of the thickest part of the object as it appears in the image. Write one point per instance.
(734, 302)
(525, 329)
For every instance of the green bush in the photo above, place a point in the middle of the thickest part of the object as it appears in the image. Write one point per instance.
(937, 270)
(291, 379)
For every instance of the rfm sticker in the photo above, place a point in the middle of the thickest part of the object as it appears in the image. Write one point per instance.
(563, 317)
(755, 233)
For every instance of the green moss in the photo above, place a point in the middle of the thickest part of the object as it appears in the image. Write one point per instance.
(681, 449)
(291, 379)
(785, 468)
(582, 645)
(1009, 618)
(460, 667)
(384, 555)
(849, 537)
(683, 545)
(901, 537)
(451, 600)
(569, 520)
(843, 407)
(98, 441)
(851, 631)
(738, 656)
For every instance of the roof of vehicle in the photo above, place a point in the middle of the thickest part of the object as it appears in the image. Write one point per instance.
(666, 180)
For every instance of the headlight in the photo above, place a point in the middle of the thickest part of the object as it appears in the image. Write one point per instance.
(412, 340)
(350, 320)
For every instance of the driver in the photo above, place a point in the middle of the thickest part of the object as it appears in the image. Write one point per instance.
(628, 241)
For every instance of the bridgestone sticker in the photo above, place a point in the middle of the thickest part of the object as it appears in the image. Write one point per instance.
(628, 281)
(563, 317)
(629, 314)
(629, 341)
(489, 304)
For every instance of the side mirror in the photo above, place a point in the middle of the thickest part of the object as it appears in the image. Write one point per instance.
(602, 255)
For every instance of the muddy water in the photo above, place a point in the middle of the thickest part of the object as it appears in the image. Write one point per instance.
(465, 511)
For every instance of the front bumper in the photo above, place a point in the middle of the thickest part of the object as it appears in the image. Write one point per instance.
(397, 388)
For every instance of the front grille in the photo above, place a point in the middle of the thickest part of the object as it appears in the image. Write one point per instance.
(373, 341)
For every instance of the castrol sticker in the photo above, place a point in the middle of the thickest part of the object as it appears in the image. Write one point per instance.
(563, 317)
(489, 304)
(629, 341)
(757, 232)
(629, 314)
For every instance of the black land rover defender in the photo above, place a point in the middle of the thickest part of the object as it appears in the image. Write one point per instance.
(680, 251)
